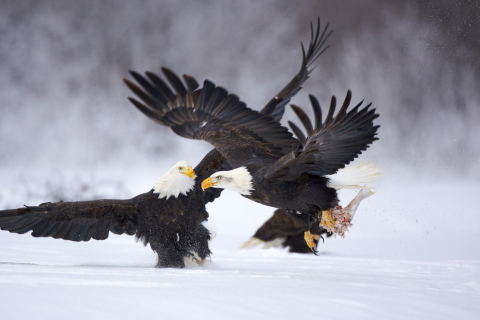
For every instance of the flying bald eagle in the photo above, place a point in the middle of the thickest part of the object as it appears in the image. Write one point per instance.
(303, 181)
(169, 217)
(284, 230)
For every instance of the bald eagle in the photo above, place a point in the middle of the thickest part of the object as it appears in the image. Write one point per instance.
(169, 217)
(302, 182)
(282, 229)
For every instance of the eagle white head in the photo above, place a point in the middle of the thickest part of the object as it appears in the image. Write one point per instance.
(238, 180)
(179, 179)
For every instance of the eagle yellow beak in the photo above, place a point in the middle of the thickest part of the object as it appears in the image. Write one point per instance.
(207, 183)
(189, 172)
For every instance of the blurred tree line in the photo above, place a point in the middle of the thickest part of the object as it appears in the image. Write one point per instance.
(61, 65)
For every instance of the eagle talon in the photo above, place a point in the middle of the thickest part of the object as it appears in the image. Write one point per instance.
(327, 220)
(309, 239)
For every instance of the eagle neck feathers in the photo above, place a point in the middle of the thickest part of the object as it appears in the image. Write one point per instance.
(172, 184)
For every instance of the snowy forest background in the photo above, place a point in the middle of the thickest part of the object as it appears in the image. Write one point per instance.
(68, 132)
(64, 106)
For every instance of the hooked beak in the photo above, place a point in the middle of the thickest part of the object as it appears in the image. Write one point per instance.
(207, 183)
(189, 172)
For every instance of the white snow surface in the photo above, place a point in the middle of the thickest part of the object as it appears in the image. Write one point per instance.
(412, 253)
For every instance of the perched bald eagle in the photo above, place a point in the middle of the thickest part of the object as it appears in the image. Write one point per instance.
(169, 217)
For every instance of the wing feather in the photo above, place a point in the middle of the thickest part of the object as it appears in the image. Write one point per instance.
(332, 145)
(215, 102)
(191, 82)
(298, 132)
(218, 117)
(177, 85)
(75, 221)
(276, 106)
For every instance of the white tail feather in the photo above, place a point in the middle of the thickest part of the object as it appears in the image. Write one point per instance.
(253, 242)
(275, 243)
(355, 177)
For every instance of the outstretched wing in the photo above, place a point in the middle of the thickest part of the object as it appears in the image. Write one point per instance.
(276, 106)
(213, 115)
(330, 145)
(159, 98)
(75, 221)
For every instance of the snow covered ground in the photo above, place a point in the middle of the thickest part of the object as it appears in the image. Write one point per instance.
(67, 131)
(411, 254)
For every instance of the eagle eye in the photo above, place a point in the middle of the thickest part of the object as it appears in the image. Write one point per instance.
(180, 168)
(219, 177)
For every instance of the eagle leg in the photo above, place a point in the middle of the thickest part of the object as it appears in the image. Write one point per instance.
(309, 239)
(167, 255)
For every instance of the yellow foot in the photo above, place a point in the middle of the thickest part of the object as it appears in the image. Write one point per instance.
(327, 219)
(200, 262)
(309, 239)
